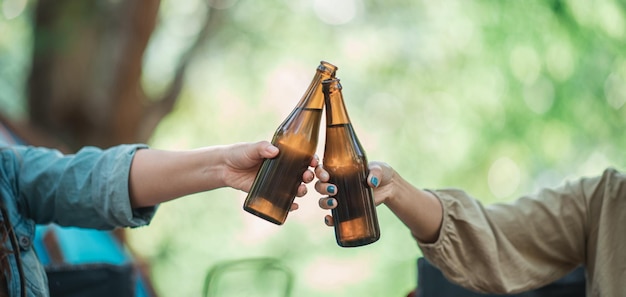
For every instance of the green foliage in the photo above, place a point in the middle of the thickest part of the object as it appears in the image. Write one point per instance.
(496, 97)
(15, 54)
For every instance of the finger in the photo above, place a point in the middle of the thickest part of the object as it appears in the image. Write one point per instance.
(308, 176)
(321, 173)
(328, 203)
(294, 206)
(375, 176)
(325, 188)
(266, 149)
(315, 161)
(302, 190)
(328, 219)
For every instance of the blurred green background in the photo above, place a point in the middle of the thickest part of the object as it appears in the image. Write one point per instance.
(499, 98)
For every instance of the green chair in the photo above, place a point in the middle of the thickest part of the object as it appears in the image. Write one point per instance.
(267, 277)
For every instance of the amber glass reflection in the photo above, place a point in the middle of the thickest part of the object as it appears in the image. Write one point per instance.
(277, 181)
(356, 223)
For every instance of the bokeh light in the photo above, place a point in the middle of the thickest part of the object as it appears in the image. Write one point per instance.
(504, 177)
(336, 12)
(13, 8)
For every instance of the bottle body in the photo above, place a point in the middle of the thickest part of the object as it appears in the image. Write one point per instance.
(355, 218)
(277, 181)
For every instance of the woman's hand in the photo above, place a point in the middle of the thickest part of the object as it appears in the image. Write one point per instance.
(421, 211)
(380, 179)
(242, 162)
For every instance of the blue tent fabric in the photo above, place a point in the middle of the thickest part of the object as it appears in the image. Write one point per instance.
(95, 246)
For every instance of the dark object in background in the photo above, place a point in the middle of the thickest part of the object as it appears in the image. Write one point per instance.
(432, 283)
(94, 280)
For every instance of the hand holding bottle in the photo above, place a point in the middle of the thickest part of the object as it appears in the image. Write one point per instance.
(418, 209)
(379, 179)
(243, 162)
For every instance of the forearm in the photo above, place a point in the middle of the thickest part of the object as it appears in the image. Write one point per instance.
(157, 176)
(419, 210)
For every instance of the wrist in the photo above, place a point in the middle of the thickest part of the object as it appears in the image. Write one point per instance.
(397, 189)
(420, 210)
(212, 170)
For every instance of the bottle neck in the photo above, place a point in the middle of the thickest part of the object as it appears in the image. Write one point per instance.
(336, 113)
(313, 98)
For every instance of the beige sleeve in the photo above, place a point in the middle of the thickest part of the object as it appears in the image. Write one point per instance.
(508, 248)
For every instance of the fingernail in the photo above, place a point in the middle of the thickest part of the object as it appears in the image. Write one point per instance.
(374, 181)
(272, 149)
(329, 202)
(326, 220)
(324, 176)
(330, 189)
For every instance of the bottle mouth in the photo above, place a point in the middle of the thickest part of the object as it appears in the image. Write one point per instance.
(326, 66)
(332, 83)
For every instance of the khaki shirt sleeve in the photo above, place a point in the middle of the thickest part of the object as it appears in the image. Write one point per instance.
(514, 247)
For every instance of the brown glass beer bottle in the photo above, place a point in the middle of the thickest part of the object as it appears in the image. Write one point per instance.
(355, 219)
(277, 181)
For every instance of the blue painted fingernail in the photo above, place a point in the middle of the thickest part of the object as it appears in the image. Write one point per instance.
(330, 189)
(326, 220)
(329, 202)
(374, 181)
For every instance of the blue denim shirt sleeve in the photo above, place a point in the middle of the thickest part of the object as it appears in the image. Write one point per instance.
(88, 189)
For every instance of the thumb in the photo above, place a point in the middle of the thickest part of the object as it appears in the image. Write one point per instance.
(264, 149)
(375, 176)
